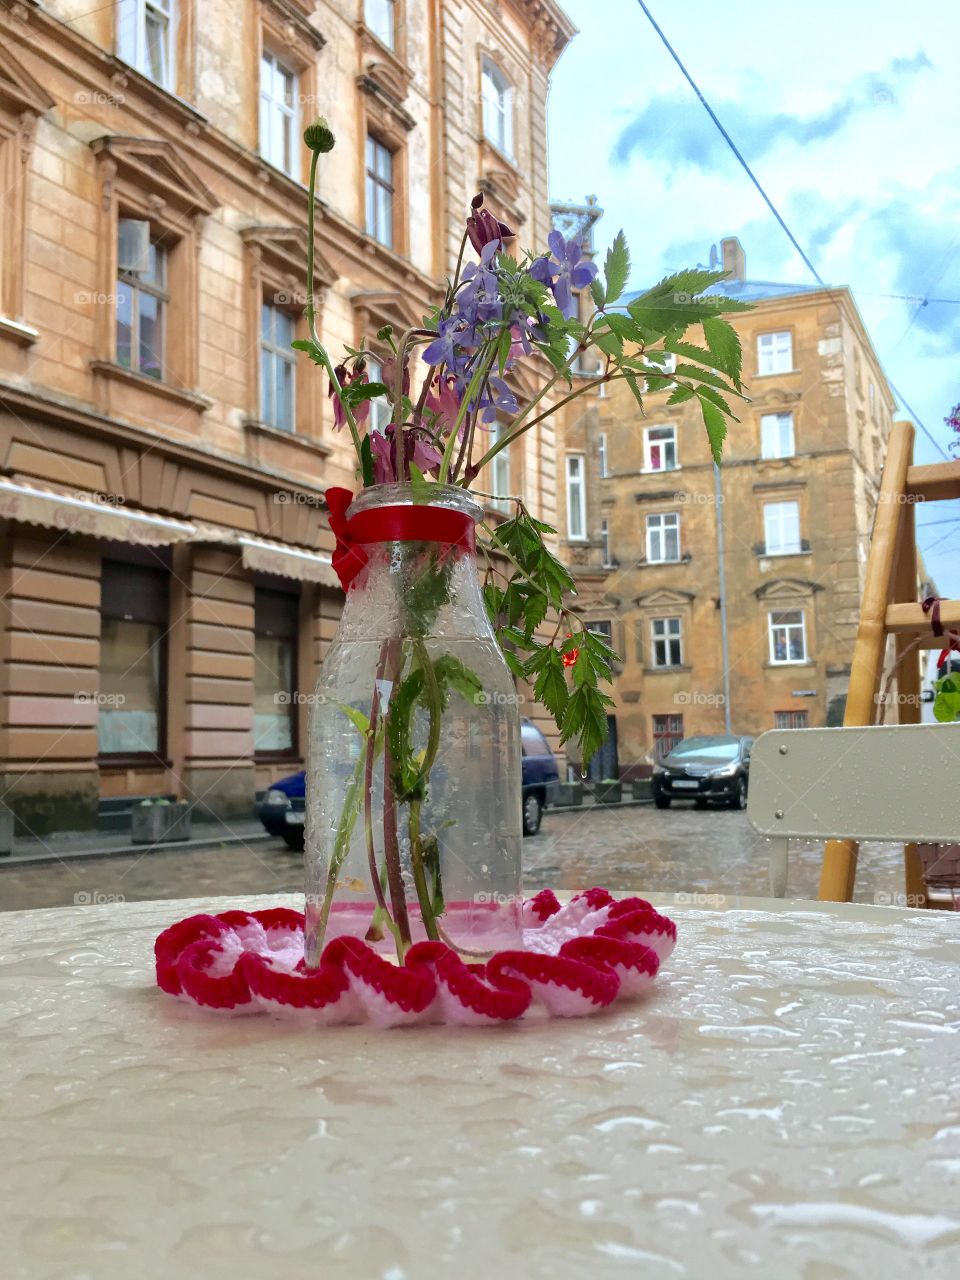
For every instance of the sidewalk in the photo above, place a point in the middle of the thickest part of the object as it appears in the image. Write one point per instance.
(62, 845)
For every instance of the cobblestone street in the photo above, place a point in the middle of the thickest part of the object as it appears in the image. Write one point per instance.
(636, 848)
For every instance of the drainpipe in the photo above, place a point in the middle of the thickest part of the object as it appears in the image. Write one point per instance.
(722, 578)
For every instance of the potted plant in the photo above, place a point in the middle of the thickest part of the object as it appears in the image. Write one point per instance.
(608, 791)
(642, 789)
(568, 795)
(413, 774)
(6, 830)
(160, 821)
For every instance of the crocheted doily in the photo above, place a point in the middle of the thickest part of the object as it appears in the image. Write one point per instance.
(577, 959)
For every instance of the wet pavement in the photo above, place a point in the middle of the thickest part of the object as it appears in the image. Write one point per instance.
(711, 852)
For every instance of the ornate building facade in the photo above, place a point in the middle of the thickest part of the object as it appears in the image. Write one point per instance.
(652, 532)
(165, 571)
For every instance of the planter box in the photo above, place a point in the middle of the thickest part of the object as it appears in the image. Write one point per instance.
(568, 795)
(160, 823)
(608, 792)
(941, 865)
(642, 789)
(6, 831)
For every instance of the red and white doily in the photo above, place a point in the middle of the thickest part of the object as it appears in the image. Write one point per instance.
(577, 959)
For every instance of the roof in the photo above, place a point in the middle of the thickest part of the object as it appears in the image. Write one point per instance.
(749, 290)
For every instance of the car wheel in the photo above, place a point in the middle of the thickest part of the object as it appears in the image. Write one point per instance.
(294, 839)
(662, 802)
(700, 804)
(739, 798)
(532, 809)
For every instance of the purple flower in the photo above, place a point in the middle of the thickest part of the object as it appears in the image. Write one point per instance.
(442, 350)
(566, 271)
(421, 452)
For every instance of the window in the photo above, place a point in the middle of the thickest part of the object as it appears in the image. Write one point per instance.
(602, 628)
(788, 641)
(379, 192)
(379, 408)
(602, 455)
(497, 97)
(776, 435)
(667, 734)
(277, 368)
(380, 17)
(663, 538)
(145, 38)
(666, 645)
(141, 299)
(781, 528)
(576, 499)
(775, 352)
(669, 362)
(500, 468)
(134, 609)
(660, 448)
(275, 673)
(790, 720)
(278, 115)
(607, 559)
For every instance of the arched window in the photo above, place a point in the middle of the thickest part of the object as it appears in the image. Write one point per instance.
(497, 107)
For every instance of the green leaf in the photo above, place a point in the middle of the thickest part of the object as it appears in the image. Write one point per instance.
(701, 375)
(421, 488)
(356, 718)
(366, 460)
(634, 385)
(596, 288)
(514, 663)
(551, 685)
(716, 425)
(356, 392)
(609, 343)
(680, 394)
(724, 343)
(617, 268)
(716, 398)
(451, 671)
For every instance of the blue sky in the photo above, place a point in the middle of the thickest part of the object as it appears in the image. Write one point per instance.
(848, 115)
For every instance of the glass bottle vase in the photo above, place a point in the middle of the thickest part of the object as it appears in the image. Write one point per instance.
(413, 793)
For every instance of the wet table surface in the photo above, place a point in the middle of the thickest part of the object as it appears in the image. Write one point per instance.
(785, 1103)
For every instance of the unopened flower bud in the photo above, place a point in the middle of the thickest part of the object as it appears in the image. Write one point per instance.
(319, 136)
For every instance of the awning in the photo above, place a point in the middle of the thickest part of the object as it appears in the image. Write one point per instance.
(94, 515)
(99, 518)
(288, 562)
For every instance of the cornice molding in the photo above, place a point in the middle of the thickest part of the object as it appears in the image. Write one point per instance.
(156, 165)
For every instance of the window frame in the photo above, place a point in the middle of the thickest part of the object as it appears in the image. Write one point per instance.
(375, 181)
(279, 65)
(132, 46)
(776, 418)
(785, 719)
(389, 7)
(160, 617)
(668, 441)
(290, 601)
(578, 483)
(606, 559)
(158, 290)
(669, 638)
(772, 627)
(663, 733)
(491, 73)
(661, 528)
(500, 468)
(602, 461)
(272, 352)
(782, 523)
(773, 357)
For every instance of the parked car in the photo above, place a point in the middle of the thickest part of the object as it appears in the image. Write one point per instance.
(704, 768)
(282, 808)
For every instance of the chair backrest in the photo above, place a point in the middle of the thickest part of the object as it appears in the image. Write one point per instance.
(883, 782)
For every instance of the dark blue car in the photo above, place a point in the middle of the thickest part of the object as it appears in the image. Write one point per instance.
(282, 808)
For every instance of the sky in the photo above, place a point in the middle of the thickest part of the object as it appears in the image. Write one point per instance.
(847, 113)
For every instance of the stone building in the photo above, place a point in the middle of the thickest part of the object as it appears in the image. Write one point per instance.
(164, 560)
(797, 492)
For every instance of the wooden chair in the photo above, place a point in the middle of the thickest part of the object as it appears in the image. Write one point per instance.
(890, 607)
(885, 782)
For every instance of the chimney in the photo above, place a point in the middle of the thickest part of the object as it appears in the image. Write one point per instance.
(734, 259)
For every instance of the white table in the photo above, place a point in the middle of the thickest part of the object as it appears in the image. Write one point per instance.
(786, 1104)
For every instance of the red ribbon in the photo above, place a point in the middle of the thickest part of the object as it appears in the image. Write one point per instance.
(389, 524)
